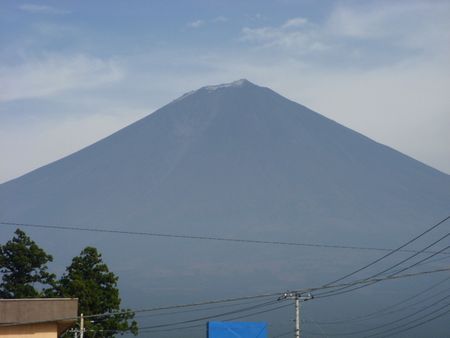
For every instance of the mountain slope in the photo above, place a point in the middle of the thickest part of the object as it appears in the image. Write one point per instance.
(235, 153)
(236, 160)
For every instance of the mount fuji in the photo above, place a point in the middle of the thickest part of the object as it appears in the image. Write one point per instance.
(234, 160)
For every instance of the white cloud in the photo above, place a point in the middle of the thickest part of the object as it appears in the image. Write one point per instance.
(404, 105)
(196, 23)
(401, 102)
(383, 71)
(415, 24)
(380, 32)
(42, 9)
(200, 23)
(53, 74)
(294, 34)
(295, 22)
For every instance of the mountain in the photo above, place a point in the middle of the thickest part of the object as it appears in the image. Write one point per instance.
(235, 160)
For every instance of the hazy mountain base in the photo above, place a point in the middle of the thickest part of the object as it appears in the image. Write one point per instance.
(237, 161)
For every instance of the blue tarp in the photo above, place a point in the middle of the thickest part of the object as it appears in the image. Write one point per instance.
(237, 330)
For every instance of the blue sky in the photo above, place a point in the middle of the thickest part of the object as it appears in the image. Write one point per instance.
(72, 72)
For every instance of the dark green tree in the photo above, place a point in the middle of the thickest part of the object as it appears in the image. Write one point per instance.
(23, 268)
(89, 279)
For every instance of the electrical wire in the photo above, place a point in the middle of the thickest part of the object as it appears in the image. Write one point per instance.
(209, 238)
(154, 309)
(365, 282)
(391, 252)
(146, 315)
(341, 290)
(305, 290)
(211, 316)
(203, 318)
(386, 310)
(418, 324)
(151, 328)
(347, 290)
(395, 331)
(378, 327)
(389, 331)
(154, 328)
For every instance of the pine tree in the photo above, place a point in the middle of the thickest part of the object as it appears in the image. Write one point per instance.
(89, 279)
(23, 267)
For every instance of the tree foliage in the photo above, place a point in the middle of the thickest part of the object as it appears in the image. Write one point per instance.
(24, 274)
(89, 279)
(23, 267)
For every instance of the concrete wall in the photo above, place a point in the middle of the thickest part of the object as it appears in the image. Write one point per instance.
(47, 330)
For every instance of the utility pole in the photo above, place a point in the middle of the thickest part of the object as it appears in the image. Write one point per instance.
(297, 297)
(81, 326)
(79, 332)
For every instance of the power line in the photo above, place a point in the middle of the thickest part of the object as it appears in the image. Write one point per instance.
(413, 321)
(266, 295)
(344, 290)
(385, 310)
(212, 316)
(208, 238)
(155, 309)
(419, 324)
(171, 313)
(260, 312)
(395, 330)
(366, 281)
(419, 262)
(414, 255)
(155, 328)
(152, 328)
(390, 334)
(391, 252)
(437, 259)
(378, 327)
(146, 329)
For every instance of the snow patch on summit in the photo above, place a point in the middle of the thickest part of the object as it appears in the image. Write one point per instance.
(238, 83)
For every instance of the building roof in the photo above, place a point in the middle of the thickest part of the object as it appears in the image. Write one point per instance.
(63, 311)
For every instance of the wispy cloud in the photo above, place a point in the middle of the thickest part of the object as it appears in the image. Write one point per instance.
(419, 25)
(53, 74)
(295, 33)
(42, 9)
(381, 68)
(363, 31)
(196, 23)
(200, 22)
(295, 22)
